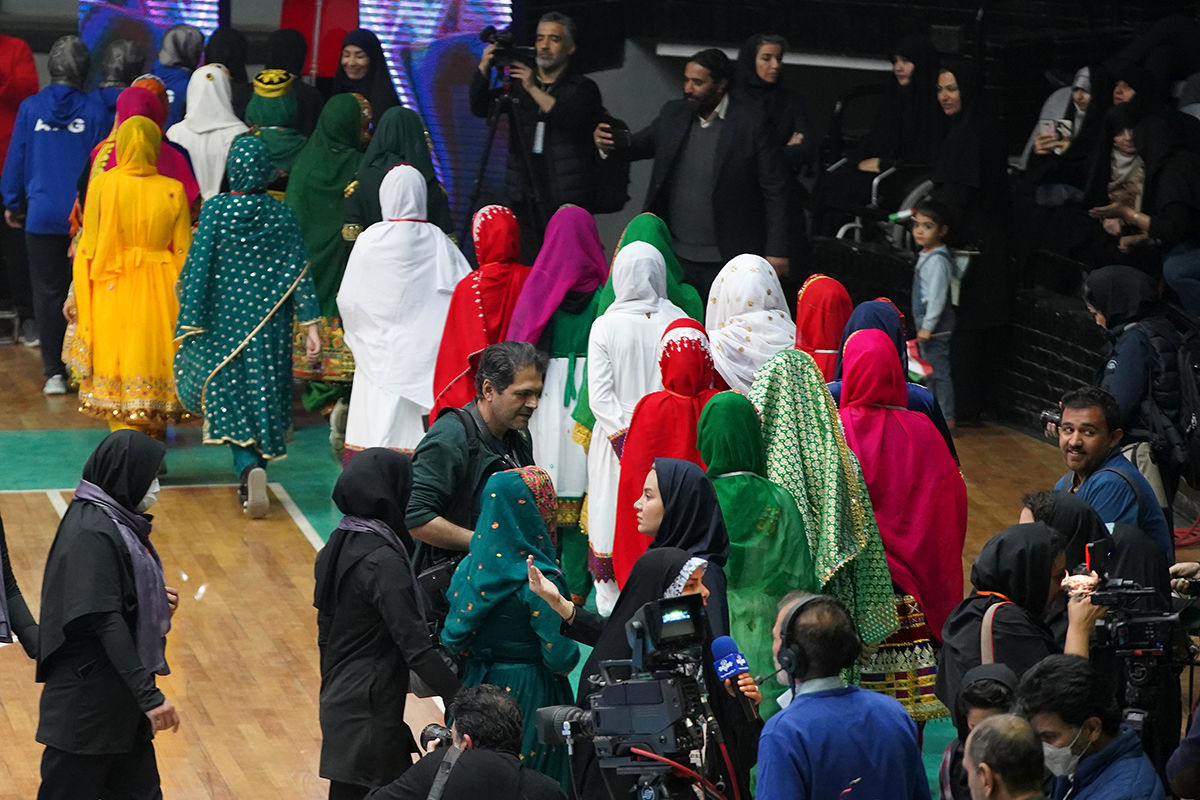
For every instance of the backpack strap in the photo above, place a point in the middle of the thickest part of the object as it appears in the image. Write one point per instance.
(987, 643)
(443, 773)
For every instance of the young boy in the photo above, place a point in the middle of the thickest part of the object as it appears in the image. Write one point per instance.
(932, 312)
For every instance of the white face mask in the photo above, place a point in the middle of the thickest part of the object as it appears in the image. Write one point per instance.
(150, 499)
(1060, 760)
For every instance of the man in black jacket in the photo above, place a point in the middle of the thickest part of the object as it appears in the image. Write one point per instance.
(555, 110)
(717, 181)
(483, 761)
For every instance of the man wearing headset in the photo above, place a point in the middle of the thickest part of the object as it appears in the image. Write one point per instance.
(832, 737)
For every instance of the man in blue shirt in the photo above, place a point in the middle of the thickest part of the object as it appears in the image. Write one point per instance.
(831, 737)
(1089, 437)
(1074, 712)
(52, 141)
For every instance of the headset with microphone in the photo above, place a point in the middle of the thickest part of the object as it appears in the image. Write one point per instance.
(791, 656)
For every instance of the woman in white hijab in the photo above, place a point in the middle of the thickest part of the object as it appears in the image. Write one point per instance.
(622, 369)
(394, 299)
(747, 319)
(209, 127)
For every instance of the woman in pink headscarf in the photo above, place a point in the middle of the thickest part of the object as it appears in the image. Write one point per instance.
(920, 503)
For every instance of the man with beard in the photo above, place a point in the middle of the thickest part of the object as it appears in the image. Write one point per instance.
(555, 109)
(1089, 436)
(717, 180)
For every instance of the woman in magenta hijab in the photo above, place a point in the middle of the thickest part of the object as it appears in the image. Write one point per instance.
(555, 313)
(920, 503)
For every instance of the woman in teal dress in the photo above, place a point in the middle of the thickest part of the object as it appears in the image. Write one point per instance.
(509, 635)
(245, 280)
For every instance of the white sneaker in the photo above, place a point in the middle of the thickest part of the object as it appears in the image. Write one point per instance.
(257, 502)
(55, 385)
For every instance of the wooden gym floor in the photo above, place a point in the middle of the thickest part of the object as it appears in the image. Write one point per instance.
(243, 644)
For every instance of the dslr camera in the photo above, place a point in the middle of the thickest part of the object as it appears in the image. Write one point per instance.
(507, 51)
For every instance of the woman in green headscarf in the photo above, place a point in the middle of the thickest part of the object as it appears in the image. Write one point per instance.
(768, 540)
(316, 191)
(649, 228)
(400, 137)
(510, 636)
(808, 456)
(271, 115)
(245, 279)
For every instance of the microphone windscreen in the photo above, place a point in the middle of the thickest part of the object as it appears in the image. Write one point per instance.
(723, 646)
(727, 660)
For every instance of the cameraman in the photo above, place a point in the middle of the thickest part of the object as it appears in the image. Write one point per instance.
(555, 110)
(486, 760)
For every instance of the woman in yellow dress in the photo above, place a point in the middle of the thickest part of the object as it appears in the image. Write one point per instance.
(135, 237)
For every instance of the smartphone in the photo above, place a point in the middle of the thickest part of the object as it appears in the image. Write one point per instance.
(1046, 127)
(622, 136)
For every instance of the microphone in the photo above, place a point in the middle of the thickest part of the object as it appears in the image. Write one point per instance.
(730, 663)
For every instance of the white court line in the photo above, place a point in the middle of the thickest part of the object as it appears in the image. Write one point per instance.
(60, 505)
(297, 516)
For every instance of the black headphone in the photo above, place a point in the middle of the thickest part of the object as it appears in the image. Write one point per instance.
(792, 658)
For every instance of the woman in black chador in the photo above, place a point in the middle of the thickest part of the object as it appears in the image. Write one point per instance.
(105, 616)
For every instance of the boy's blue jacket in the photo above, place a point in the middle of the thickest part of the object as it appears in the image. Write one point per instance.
(52, 141)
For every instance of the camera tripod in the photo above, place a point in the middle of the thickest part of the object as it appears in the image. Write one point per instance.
(504, 105)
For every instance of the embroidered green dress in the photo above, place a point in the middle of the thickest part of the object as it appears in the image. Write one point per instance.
(808, 456)
(317, 188)
(768, 541)
(511, 637)
(245, 279)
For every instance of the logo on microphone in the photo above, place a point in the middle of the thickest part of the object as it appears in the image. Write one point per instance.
(730, 665)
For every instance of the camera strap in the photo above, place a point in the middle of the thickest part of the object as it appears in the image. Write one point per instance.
(987, 647)
(443, 773)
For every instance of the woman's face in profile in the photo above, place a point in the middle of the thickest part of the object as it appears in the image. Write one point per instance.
(1057, 570)
(695, 585)
(649, 506)
(948, 94)
(902, 68)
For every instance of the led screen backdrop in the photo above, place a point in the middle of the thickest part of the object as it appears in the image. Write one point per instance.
(432, 49)
(143, 21)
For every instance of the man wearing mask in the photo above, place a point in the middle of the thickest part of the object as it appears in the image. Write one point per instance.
(717, 180)
(1091, 753)
(1003, 760)
(1089, 437)
(556, 109)
(105, 616)
(52, 141)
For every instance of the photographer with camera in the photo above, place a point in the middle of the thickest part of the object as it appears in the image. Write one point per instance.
(1092, 754)
(833, 738)
(1089, 436)
(550, 154)
(481, 760)
(666, 572)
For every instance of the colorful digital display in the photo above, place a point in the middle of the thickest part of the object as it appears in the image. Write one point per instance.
(143, 21)
(433, 49)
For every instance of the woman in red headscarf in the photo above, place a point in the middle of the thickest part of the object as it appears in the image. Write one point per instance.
(480, 307)
(920, 503)
(663, 426)
(822, 308)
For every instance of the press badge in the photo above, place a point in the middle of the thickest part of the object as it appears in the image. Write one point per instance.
(539, 137)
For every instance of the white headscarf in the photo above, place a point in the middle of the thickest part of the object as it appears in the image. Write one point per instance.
(747, 319)
(395, 294)
(639, 278)
(209, 127)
